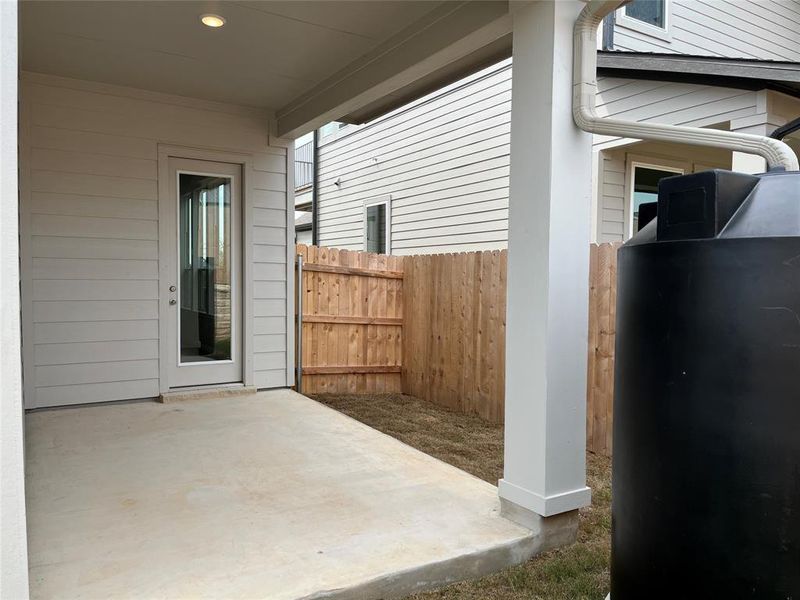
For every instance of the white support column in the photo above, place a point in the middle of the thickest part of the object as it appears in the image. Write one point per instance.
(14, 546)
(548, 274)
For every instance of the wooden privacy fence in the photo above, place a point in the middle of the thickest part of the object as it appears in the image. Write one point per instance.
(352, 321)
(433, 326)
(602, 332)
(455, 331)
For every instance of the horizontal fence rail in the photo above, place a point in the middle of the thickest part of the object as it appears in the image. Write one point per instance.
(434, 326)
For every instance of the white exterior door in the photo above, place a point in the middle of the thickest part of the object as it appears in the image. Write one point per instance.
(202, 254)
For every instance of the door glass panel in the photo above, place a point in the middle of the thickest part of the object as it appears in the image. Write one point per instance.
(205, 268)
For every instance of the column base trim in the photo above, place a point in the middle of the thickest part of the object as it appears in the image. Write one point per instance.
(545, 506)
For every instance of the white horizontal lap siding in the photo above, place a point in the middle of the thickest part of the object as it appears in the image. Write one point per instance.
(763, 29)
(89, 231)
(269, 271)
(670, 103)
(444, 162)
(611, 217)
(90, 218)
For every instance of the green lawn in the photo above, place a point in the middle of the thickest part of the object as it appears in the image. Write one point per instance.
(577, 572)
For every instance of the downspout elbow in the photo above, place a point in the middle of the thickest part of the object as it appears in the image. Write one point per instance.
(584, 114)
(783, 153)
(776, 153)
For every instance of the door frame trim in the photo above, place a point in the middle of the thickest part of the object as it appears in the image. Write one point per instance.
(245, 161)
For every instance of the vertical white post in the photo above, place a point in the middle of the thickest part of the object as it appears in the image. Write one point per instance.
(14, 552)
(548, 273)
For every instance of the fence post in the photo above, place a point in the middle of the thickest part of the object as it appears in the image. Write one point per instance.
(299, 322)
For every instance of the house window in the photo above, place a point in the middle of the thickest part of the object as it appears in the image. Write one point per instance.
(644, 188)
(377, 223)
(650, 12)
(650, 17)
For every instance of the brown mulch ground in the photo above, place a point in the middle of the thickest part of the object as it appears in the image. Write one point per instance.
(577, 572)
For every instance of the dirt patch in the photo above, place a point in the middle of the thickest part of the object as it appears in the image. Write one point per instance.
(580, 571)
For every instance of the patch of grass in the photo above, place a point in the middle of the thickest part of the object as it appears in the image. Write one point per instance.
(577, 572)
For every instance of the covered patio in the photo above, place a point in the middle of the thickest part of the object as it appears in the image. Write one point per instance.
(268, 495)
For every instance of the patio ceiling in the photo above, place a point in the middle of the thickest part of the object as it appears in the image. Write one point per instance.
(309, 62)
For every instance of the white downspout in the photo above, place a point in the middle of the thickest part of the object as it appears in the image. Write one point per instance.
(584, 77)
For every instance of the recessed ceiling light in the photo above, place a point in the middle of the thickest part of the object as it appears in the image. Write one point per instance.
(212, 20)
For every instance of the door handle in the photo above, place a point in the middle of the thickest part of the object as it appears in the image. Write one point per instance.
(172, 288)
(173, 301)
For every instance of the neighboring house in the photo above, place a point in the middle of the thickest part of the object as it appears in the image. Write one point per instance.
(433, 176)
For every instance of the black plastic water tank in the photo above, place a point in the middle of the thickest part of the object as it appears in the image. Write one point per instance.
(706, 465)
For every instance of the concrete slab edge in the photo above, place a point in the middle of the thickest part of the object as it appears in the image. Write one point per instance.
(434, 575)
(206, 394)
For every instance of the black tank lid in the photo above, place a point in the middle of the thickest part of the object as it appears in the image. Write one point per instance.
(722, 204)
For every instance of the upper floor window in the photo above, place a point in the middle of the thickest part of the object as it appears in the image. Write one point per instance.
(651, 12)
(646, 16)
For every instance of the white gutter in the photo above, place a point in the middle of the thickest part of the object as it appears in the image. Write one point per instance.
(584, 79)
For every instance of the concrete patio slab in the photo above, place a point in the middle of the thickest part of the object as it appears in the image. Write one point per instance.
(270, 495)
